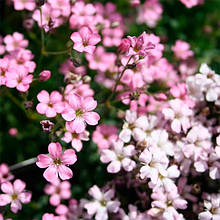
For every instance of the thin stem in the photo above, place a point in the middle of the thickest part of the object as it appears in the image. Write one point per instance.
(42, 32)
(23, 164)
(119, 78)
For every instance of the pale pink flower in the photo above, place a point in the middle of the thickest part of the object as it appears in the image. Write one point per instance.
(212, 208)
(166, 203)
(5, 174)
(104, 135)
(119, 156)
(102, 203)
(19, 78)
(85, 40)
(15, 41)
(24, 4)
(112, 36)
(56, 162)
(179, 114)
(82, 14)
(58, 190)
(154, 162)
(14, 194)
(79, 112)
(150, 13)
(182, 50)
(50, 104)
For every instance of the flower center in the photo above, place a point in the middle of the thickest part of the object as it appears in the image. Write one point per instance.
(103, 202)
(79, 112)
(14, 197)
(57, 161)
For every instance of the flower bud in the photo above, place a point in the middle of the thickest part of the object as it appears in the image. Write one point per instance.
(44, 75)
(124, 46)
(28, 104)
(13, 131)
(134, 3)
(47, 125)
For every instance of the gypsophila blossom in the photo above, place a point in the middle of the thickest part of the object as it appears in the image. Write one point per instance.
(56, 162)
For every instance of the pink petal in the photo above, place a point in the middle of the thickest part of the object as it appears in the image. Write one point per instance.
(43, 96)
(19, 186)
(7, 188)
(65, 172)
(15, 206)
(89, 49)
(50, 112)
(89, 104)
(4, 199)
(25, 197)
(55, 150)
(41, 108)
(91, 118)
(51, 174)
(75, 37)
(114, 167)
(43, 161)
(69, 157)
(55, 200)
(75, 101)
(78, 125)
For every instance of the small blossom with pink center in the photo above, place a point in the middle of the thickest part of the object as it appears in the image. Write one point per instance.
(50, 104)
(15, 41)
(24, 4)
(79, 112)
(19, 78)
(179, 113)
(102, 203)
(104, 135)
(5, 174)
(75, 138)
(85, 40)
(58, 190)
(182, 50)
(119, 157)
(15, 194)
(56, 162)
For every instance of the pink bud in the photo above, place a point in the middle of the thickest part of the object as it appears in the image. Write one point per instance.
(44, 75)
(134, 3)
(124, 46)
(13, 131)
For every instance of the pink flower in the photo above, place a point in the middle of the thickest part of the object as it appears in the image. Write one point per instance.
(58, 190)
(51, 104)
(24, 4)
(150, 13)
(15, 41)
(104, 135)
(14, 194)
(56, 162)
(119, 156)
(19, 78)
(45, 75)
(80, 111)
(191, 3)
(179, 114)
(85, 40)
(75, 138)
(102, 203)
(13, 131)
(5, 175)
(181, 50)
